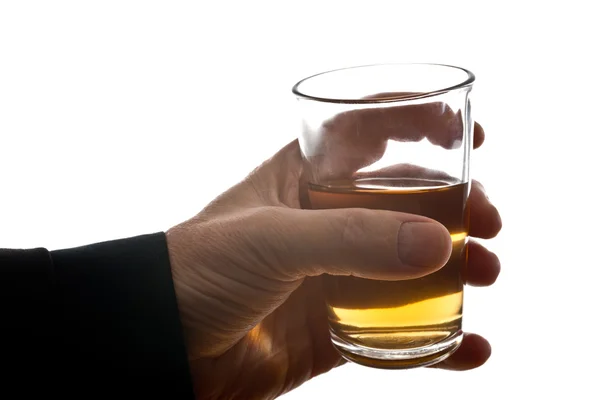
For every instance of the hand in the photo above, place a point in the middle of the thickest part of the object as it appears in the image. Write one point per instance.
(246, 273)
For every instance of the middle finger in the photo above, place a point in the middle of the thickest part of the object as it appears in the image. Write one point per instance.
(484, 220)
(482, 267)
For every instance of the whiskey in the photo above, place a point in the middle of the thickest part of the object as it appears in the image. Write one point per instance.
(411, 317)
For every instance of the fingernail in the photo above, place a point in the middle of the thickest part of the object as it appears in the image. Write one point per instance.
(424, 244)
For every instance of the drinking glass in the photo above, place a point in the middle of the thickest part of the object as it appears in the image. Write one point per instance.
(393, 137)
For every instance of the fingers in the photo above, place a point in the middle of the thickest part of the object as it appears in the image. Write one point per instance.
(372, 244)
(482, 267)
(484, 220)
(472, 353)
(435, 121)
(358, 138)
(355, 139)
(478, 136)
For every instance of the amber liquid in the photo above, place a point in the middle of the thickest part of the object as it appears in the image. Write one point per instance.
(396, 315)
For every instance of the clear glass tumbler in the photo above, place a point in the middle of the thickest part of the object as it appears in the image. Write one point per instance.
(394, 137)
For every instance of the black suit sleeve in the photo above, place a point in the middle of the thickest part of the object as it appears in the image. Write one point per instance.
(94, 321)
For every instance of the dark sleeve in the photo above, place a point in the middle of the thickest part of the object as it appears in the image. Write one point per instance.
(94, 321)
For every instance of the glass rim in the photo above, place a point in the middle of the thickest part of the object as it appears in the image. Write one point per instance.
(388, 99)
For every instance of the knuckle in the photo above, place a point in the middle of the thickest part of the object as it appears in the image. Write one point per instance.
(354, 226)
(267, 234)
(263, 224)
(266, 214)
(260, 183)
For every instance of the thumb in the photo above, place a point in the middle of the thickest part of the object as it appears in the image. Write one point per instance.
(373, 244)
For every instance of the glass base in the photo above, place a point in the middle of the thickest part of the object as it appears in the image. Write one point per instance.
(398, 359)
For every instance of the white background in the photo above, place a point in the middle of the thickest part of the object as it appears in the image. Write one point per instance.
(120, 118)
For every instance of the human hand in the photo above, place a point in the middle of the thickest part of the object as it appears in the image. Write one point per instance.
(247, 277)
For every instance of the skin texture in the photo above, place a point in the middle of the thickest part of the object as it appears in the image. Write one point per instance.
(247, 268)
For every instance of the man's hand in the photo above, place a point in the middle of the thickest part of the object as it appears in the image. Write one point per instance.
(247, 277)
